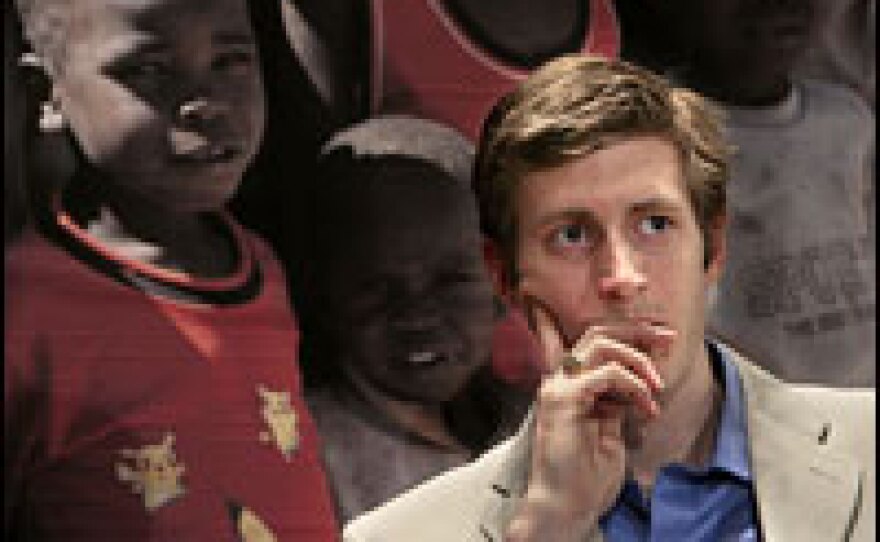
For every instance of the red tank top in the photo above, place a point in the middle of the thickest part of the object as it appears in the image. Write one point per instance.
(423, 63)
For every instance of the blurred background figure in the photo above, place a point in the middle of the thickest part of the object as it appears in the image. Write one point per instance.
(798, 290)
(401, 386)
(333, 62)
(447, 60)
(15, 105)
(845, 48)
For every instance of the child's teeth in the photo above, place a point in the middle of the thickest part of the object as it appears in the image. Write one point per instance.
(422, 357)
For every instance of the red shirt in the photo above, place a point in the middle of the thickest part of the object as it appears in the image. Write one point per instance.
(135, 417)
(424, 65)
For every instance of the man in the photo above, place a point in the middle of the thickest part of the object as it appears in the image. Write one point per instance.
(601, 192)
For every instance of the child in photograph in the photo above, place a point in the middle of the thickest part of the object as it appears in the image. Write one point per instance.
(798, 292)
(151, 383)
(406, 312)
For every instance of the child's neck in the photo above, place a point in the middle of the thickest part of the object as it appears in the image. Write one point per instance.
(424, 420)
(183, 241)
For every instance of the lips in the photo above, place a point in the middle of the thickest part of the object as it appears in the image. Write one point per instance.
(209, 154)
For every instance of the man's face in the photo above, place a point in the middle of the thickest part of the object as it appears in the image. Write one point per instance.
(611, 237)
(164, 97)
(407, 296)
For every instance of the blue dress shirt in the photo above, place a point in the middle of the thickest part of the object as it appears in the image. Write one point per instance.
(715, 503)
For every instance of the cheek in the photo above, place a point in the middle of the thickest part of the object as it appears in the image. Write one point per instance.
(554, 281)
(476, 323)
(112, 125)
(249, 106)
(366, 339)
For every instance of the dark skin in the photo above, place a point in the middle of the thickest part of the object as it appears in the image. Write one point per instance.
(406, 306)
(164, 101)
(741, 52)
(406, 296)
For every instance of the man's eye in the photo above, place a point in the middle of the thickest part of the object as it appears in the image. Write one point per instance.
(570, 235)
(654, 224)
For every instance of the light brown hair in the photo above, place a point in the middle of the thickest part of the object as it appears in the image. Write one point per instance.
(577, 104)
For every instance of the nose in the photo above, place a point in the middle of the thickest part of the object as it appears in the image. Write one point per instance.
(415, 307)
(620, 276)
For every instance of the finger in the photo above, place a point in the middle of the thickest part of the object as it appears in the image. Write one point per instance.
(602, 350)
(613, 386)
(548, 334)
(645, 337)
(610, 384)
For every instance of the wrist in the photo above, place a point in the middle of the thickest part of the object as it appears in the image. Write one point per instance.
(546, 522)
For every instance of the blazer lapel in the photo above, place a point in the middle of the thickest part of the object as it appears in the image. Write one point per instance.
(805, 490)
(509, 485)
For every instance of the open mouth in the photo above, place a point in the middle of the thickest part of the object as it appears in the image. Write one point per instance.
(425, 358)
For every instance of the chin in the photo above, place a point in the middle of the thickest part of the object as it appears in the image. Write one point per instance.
(204, 201)
(435, 393)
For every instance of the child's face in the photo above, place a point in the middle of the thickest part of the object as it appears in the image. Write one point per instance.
(749, 36)
(408, 298)
(164, 97)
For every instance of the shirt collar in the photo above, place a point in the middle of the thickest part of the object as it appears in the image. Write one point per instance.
(731, 443)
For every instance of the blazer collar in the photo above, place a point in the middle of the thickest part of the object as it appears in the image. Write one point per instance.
(806, 489)
(508, 484)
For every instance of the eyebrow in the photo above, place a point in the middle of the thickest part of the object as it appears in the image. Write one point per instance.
(573, 213)
(657, 203)
(586, 216)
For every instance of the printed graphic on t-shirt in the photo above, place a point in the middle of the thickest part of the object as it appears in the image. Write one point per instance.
(817, 289)
(282, 421)
(153, 472)
(250, 528)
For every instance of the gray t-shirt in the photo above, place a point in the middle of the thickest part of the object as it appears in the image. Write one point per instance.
(368, 464)
(798, 292)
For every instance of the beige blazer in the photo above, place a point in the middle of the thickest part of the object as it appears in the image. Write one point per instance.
(812, 459)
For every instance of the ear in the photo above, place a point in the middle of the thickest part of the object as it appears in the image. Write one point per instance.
(497, 269)
(717, 235)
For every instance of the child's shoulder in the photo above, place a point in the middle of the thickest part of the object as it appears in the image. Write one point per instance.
(32, 255)
(38, 277)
